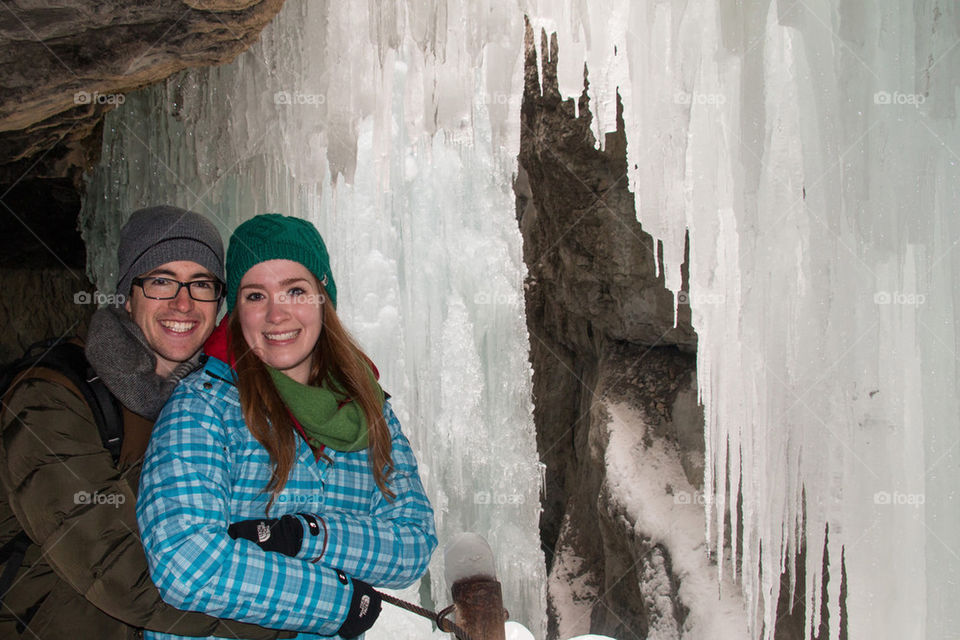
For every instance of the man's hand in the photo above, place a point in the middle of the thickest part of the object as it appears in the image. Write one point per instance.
(283, 535)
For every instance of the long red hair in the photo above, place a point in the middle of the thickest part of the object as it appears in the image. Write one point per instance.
(337, 356)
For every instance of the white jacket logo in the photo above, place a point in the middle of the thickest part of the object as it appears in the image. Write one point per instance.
(263, 531)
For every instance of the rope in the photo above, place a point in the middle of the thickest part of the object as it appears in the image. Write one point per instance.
(442, 623)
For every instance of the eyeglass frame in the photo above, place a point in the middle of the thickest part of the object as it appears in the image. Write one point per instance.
(138, 282)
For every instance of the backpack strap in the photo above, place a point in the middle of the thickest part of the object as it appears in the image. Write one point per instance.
(12, 553)
(68, 359)
(60, 361)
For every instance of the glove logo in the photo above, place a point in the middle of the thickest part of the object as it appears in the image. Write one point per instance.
(263, 532)
(364, 605)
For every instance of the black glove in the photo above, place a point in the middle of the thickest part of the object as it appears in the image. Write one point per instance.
(283, 535)
(364, 609)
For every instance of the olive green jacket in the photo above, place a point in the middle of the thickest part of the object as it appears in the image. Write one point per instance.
(86, 575)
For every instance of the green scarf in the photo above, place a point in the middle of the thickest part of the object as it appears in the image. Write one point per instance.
(319, 412)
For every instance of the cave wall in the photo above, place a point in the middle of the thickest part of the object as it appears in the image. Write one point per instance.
(602, 331)
(63, 65)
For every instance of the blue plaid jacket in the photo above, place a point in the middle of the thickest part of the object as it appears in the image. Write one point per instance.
(204, 470)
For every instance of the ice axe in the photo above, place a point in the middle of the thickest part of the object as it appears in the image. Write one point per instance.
(471, 576)
(477, 599)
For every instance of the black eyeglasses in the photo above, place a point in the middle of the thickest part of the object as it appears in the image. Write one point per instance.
(160, 288)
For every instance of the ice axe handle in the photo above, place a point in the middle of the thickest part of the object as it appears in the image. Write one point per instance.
(479, 607)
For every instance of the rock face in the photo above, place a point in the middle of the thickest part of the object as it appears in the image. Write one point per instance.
(65, 63)
(43, 302)
(601, 331)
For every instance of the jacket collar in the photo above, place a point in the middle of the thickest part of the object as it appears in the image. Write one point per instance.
(218, 344)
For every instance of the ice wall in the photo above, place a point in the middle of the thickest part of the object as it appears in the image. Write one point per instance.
(811, 149)
(385, 125)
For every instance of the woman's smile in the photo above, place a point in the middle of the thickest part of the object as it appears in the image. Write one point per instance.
(281, 314)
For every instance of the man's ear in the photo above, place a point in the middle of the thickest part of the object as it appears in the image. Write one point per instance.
(126, 305)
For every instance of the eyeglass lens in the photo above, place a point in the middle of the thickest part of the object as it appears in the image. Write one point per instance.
(165, 288)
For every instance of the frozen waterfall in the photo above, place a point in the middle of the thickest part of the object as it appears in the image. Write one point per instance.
(811, 151)
(414, 198)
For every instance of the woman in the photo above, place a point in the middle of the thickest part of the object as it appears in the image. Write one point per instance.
(277, 488)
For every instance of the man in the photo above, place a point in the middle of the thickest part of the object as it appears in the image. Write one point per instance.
(86, 574)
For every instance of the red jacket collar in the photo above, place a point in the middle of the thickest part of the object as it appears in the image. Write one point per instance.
(217, 345)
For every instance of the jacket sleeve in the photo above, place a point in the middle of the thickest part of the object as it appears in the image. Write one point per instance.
(73, 502)
(183, 512)
(391, 546)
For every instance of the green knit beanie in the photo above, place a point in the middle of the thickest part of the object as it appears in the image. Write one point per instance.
(271, 236)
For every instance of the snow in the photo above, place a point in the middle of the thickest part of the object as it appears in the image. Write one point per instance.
(573, 591)
(516, 631)
(468, 556)
(649, 482)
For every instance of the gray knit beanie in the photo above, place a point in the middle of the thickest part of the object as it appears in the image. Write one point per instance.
(158, 235)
